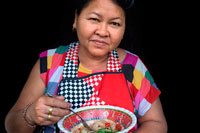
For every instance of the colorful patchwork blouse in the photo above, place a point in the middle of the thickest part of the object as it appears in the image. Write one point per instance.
(126, 84)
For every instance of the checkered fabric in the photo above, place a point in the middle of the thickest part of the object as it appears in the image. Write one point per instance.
(113, 62)
(82, 92)
(75, 91)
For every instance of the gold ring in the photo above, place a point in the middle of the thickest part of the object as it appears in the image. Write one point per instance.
(49, 116)
(50, 110)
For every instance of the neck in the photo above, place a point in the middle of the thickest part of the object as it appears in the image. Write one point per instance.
(92, 62)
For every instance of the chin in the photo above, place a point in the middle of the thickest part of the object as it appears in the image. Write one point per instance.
(99, 53)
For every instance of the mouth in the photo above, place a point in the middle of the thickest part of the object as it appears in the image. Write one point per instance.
(99, 42)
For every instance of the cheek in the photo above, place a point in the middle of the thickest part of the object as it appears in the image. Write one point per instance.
(84, 34)
(117, 36)
(84, 30)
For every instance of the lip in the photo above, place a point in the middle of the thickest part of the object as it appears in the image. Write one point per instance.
(100, 42)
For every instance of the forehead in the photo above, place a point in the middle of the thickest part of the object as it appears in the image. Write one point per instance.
(105, 8)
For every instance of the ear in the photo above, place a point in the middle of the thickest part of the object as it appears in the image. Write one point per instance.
(75, 20)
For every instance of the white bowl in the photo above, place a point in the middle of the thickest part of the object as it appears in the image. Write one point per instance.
(125, 117)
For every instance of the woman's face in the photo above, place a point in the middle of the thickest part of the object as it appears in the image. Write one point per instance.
(100, 27)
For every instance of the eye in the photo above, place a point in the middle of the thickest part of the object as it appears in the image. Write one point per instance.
(115, 24)
(94, 19)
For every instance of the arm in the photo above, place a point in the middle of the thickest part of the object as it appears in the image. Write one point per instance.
(153, 121)
(37, 113)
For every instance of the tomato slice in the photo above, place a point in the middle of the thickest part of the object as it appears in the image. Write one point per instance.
(107, 124)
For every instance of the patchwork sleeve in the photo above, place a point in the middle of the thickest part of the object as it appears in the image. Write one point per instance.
(145, 89)
(45, 64)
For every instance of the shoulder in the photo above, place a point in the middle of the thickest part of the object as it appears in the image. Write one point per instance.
(61, 49)
(126, 57)
(51, 58)
(132, 63)
(51, 52)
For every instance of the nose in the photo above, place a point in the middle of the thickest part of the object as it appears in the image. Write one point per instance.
(102, 30)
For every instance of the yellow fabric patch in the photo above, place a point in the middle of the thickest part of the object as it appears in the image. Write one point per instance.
(49, 61)
(137, 80)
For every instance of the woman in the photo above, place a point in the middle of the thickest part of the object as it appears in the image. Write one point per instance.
(92, 71)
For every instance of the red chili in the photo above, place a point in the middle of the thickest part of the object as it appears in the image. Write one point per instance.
(118, 127)
(107, 124)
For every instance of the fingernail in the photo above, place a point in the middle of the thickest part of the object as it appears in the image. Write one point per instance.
(69, 106)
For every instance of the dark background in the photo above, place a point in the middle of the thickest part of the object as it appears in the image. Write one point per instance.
(30, 27)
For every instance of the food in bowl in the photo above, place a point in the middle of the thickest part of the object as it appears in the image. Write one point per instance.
(103, 119)
(100, 126)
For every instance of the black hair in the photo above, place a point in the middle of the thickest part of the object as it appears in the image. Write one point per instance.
(124, 4)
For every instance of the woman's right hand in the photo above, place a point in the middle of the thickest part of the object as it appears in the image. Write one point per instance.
(38, 112)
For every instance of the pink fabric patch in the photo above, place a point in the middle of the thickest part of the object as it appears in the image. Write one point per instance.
(51, 72)
(130, 59)
(138, 100)
(43, 54)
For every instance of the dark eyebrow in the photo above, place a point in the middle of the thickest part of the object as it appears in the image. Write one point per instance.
(116, 18)
(95, 14)
(101, 16)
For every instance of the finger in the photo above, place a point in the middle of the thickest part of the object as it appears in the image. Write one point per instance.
(56, 115)
(55, 96)
(56, 102)
(60, 97)
(56, 111)
(60, 112)
(51, 120)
